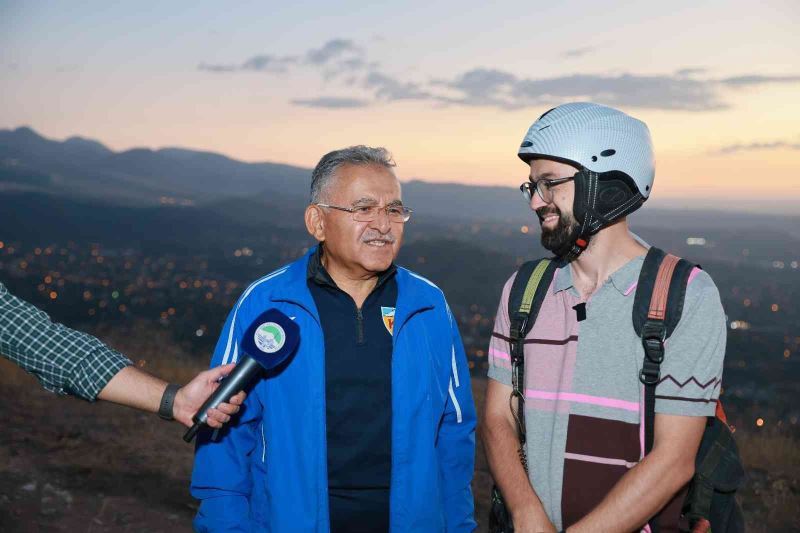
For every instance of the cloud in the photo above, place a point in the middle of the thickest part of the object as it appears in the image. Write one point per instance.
(682, 91)
(481, 87)
(579, 52)
(354, 63)
(343, 49)
(755, 79)
(217, 68)
(333, 49)
(342, 63)
(756, 146)
(267, 63)
(391, 89)
(329, 102)
(692, 71)
(631, 90)
(258, 63)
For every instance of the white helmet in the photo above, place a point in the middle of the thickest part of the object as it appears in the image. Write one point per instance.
(614, 156)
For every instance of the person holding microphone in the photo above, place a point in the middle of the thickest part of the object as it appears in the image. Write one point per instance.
(70, 362)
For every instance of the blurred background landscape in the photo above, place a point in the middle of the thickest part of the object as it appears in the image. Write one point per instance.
(150, 249)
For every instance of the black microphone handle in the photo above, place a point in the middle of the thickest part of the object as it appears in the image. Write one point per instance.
(242, 375)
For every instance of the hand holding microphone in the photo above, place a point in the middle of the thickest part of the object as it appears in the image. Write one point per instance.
(270, 339)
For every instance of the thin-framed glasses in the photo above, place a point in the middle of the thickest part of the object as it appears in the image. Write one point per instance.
(543, 187)
(368, 213)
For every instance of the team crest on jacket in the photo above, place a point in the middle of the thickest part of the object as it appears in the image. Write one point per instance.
(387, 313)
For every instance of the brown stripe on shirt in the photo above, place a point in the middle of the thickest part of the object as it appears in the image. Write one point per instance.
(555, 342)
(599, 437)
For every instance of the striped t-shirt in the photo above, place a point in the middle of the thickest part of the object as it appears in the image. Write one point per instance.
(583, 399)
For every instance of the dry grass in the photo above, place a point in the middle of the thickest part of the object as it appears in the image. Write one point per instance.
(771, 495)
(128, 471)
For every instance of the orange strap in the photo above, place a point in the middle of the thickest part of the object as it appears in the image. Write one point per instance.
(658, 301)
(720, 413)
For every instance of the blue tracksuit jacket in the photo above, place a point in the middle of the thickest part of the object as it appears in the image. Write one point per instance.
(267, 471)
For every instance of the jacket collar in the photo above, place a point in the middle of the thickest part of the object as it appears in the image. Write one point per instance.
(317, 273)
(292, 287)
(414, 294)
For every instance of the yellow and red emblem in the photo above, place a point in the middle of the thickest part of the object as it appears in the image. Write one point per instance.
(387, 313)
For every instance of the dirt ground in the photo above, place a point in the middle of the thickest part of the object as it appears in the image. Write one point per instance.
(67, 465)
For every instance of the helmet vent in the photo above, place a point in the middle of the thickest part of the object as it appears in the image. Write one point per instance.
(594, 158)
(608, 153)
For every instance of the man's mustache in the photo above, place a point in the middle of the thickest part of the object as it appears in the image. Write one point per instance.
(543, 212)
(388, 238)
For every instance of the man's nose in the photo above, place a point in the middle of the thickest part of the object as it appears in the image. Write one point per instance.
(536, 201)
(382, 221)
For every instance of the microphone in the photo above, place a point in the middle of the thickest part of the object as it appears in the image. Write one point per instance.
(270, 339)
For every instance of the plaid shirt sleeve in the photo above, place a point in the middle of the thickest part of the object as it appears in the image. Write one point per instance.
(65, 361)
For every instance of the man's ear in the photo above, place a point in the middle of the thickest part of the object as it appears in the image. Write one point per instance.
(315, 223)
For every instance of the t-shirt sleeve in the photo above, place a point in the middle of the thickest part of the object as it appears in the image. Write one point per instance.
(499, 349)
(691, 374)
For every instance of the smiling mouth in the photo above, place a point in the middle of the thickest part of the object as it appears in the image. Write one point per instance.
(377, 243)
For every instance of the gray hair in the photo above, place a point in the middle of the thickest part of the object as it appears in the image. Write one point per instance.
(362, 155)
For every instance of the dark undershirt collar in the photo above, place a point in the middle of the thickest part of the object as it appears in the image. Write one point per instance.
(317, 273)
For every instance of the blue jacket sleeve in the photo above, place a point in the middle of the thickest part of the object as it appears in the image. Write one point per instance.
(221, 478)
(456, 443)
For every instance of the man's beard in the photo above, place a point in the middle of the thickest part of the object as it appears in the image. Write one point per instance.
(564, 234)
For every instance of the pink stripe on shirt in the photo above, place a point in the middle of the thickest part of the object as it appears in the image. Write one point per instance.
(600, 460)
(583, 398)
(497, 354)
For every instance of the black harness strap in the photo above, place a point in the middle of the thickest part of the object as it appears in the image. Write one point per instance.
(524, 301)
(657, 309)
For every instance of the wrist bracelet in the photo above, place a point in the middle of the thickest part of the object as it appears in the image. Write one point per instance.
(167, 400)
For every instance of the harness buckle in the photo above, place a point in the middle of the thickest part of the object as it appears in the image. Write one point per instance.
(651, 373)
(653, 335)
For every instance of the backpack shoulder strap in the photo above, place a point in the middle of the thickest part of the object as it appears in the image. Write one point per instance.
(661, 290)
(524, 301)
(657, 309)
(527, 294)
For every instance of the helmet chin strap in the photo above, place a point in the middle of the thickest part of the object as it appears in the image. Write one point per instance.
(600, 200)
(572, 250)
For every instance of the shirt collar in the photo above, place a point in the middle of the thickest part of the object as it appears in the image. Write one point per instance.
(623, 279)
(317, 273)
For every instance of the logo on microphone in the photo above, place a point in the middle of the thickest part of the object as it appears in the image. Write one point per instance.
(269, 337)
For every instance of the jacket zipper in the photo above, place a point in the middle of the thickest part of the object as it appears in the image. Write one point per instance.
(359, 327)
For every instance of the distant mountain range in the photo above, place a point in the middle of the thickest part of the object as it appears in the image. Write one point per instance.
(86, 170)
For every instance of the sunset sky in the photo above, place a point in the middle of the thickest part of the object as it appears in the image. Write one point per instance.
(448, 87)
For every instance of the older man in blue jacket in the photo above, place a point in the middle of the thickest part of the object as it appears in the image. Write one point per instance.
(370, 425)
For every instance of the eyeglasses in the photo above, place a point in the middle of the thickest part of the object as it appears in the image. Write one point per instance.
(543, 187)
(368, 213)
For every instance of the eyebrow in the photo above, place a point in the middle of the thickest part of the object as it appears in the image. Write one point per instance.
(366, 200)
(546, 175)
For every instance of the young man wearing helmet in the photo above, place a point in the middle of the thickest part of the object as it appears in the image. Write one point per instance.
(591, 166)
